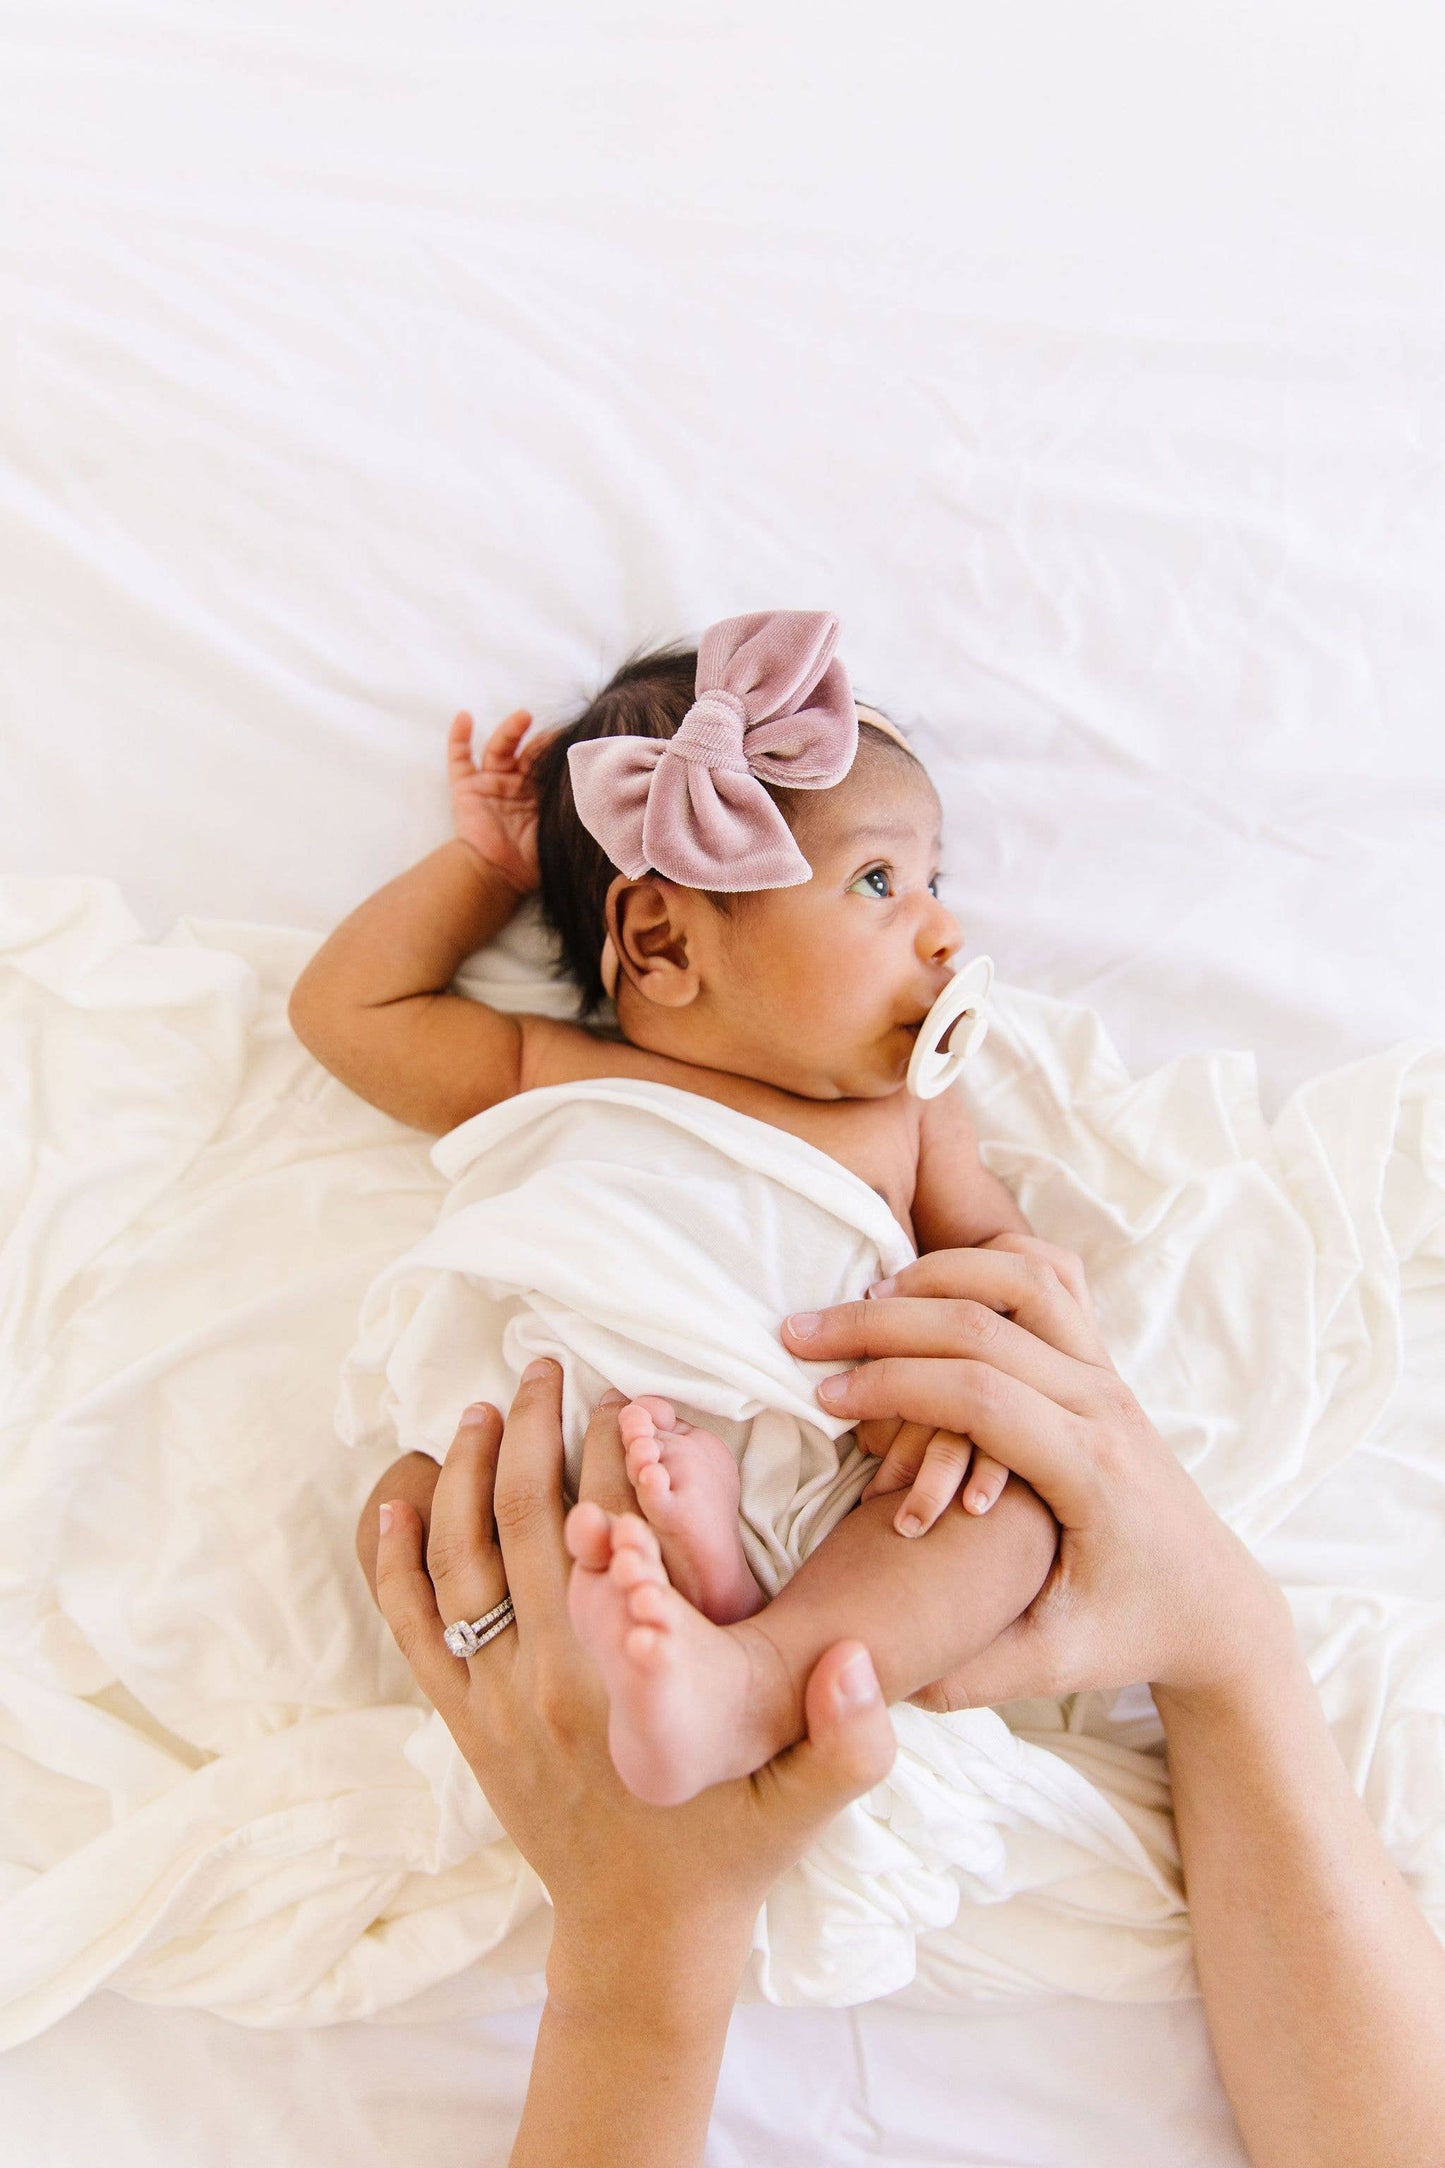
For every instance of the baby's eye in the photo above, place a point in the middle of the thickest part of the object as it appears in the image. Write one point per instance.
(875, 882)
(933, 884)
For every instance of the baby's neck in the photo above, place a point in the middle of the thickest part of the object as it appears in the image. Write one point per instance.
(877, 1138)
(698, 1041)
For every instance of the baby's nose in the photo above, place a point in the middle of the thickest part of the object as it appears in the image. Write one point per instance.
(940, 935)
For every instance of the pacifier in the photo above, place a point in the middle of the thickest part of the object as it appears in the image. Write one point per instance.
(954, 1028)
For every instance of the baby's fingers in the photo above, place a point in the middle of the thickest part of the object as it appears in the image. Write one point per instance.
(459, 749)
(534, 747)
(903, 1458)
(986, 1479)
(877, 1433)
(500, 750)
(945, 1464)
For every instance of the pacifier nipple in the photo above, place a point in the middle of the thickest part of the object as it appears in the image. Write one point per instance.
(954, 1028)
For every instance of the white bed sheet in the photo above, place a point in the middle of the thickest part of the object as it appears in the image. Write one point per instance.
(365, 362)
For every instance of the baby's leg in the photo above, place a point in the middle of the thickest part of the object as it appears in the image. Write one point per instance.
(687, 1487)
(694, 1703)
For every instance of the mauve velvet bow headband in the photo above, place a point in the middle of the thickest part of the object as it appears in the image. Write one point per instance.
(773, 705)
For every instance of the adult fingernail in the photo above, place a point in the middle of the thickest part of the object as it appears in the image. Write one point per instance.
(805, 1324)
(880, 1288)
(908, 1524)
(385, 1515)
(539, 1368)
(978, 1501)
(476, 1413)
(834, 1390)
(857, 1683)
(612, 1398)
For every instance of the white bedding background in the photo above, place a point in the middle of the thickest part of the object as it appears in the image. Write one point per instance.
(360, 364)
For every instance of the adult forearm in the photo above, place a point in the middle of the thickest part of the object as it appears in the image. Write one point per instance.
(626, 2063)
(409, 938)
(1323, 1986)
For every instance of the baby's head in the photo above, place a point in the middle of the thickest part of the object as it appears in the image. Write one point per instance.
(816, 987)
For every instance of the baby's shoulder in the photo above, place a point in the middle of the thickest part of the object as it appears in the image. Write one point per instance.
(557, 1052)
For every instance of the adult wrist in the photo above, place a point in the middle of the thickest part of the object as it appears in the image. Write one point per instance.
(678, 1977)
(1256, 1660)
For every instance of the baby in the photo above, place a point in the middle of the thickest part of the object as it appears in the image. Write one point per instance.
(747, 864)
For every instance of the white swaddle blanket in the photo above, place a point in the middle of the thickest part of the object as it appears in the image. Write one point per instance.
(651, 1240)
(217, 1785)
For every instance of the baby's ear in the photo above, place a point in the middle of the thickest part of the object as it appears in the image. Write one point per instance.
(646, 919)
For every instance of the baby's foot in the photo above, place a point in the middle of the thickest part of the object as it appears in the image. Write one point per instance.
(691, 1703)
(686, 1482)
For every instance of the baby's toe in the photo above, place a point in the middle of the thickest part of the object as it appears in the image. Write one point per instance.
(647, 1604)
(659, 1411)
(636, 1555)
(644, 1647)
(587, 1535)
(652, 1484)
(631, 1532)
(644, 1452)
(635, 1423)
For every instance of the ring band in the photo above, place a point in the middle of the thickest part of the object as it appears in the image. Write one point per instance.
(469, 1635)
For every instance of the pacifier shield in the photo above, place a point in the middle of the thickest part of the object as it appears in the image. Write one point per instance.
(954, 1028)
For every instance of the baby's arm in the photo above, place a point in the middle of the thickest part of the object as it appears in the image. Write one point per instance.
(957, 1204)
(374, 1004)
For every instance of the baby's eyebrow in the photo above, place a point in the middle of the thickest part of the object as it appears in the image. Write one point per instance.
(882, 832)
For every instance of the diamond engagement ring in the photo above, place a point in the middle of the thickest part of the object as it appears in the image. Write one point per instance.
(469, 1635)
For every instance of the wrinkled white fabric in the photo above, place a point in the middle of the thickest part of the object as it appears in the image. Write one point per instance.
(216, 1785)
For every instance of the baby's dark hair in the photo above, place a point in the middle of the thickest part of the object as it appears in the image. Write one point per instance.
(647, 698)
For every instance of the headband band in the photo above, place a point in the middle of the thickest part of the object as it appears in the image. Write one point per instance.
(877, 721)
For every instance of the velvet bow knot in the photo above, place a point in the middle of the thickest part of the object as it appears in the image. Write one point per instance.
(773, 705)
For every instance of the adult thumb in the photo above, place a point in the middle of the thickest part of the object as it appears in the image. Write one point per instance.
(849, 1745)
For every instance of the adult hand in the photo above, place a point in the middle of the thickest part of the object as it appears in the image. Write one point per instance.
(1323, 1985)
(1148, 1583)
(664, 1893)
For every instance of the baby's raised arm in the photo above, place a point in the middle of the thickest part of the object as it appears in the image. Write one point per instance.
(374, 1004)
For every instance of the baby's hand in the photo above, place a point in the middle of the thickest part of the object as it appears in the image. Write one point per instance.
(935, 1463)
(493, 806)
